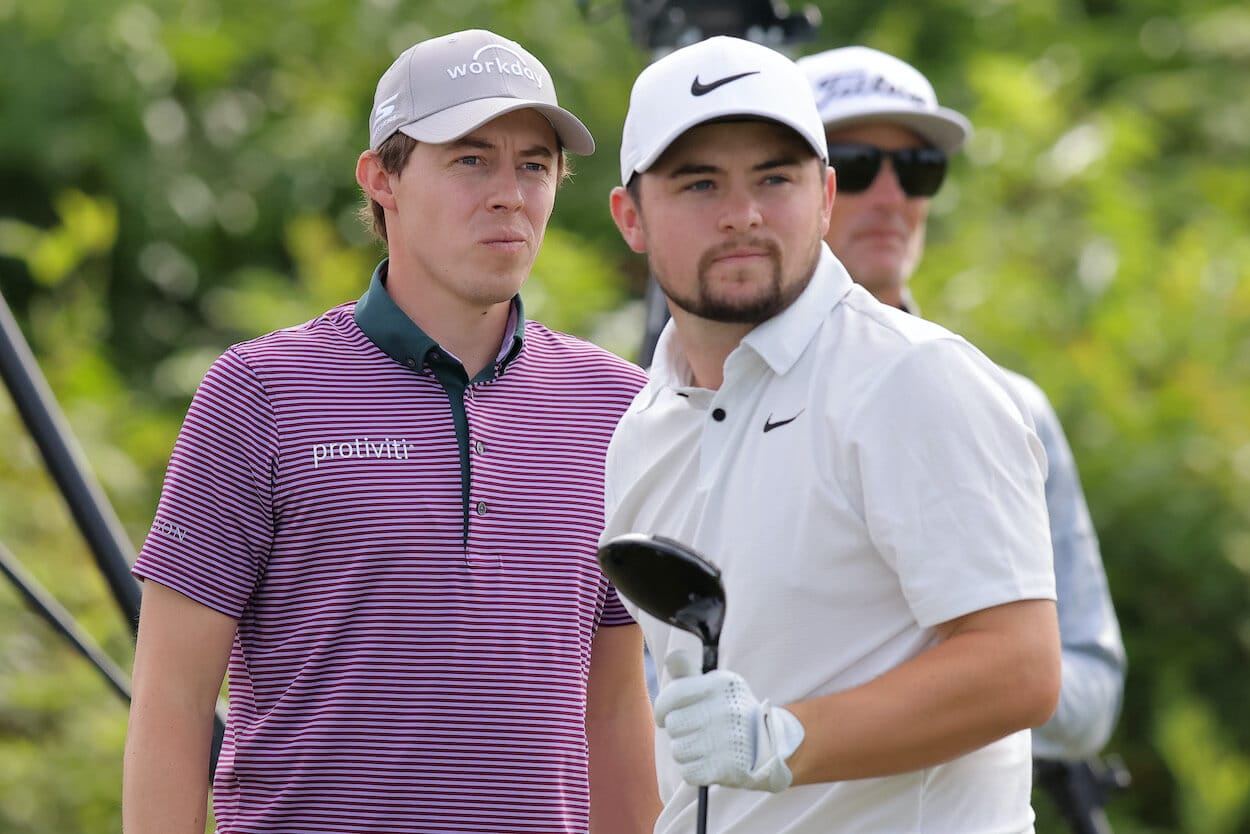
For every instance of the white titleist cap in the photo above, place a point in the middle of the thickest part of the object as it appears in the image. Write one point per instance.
(444, 88)
(713, 79)
(858, 84)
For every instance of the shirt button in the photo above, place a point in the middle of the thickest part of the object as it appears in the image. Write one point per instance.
(718, 414)
(481, 508)
(479, 447)
(411, 363)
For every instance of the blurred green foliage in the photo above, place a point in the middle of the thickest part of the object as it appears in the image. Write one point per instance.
(177, 175)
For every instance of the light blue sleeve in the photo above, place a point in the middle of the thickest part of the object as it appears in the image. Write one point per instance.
(1094, 660)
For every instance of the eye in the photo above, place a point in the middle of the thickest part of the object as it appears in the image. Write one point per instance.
(536, 167)
(699, 186)
(470, 160)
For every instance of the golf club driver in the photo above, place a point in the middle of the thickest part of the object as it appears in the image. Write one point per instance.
(673, 583)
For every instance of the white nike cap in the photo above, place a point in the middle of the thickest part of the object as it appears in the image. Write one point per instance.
(713, 79)
(444, 88)
(857, 84)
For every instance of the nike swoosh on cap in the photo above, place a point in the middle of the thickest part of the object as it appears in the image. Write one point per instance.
(698, 88)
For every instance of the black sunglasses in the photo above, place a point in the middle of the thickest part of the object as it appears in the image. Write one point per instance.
(920, 171)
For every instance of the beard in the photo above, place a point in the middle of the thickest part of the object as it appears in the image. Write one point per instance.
(771, 298)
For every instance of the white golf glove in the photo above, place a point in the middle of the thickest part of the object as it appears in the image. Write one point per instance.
(719, 733)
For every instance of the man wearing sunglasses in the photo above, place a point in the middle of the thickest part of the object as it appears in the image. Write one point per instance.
(889, 141)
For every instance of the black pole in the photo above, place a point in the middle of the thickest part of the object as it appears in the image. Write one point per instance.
(91, 511)
(63, 622)
(656, 318)
(87, 503)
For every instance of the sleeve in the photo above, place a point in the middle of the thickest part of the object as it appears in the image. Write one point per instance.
(614, 611)
(951, 477)
(214, 523)
(1093, 650)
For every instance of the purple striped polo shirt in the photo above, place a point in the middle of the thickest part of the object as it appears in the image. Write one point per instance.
(410, 556)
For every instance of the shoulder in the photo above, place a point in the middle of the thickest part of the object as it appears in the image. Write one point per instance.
(1026, 389)
(1034, 400)
(883, 341)
(578, 358)
(874, 353)
(302, 352)
(862, 310)
(327, 330)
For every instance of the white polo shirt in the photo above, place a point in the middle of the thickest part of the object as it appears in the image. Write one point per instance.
(861, 476)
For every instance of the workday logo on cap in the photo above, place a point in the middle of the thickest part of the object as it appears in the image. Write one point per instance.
(512, 64)
(444, 88)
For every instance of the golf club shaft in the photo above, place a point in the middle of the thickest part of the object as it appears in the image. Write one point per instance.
(711, 652)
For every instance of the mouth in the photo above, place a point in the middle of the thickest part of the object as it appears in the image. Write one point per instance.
(885, 227)
(507, 243)
(884, 236)
(741, 254)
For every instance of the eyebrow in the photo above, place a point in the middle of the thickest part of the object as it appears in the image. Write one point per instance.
(538, 151)
(694, 168)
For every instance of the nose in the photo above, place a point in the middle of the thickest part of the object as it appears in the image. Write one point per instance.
(740, 211)
(886, 187)
(505, 192)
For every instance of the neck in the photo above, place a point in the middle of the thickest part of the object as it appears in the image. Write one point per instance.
(474, 340)
(707, 344)
(892, 295)
(470, 332)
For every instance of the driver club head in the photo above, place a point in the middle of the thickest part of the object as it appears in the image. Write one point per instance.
(668, 580)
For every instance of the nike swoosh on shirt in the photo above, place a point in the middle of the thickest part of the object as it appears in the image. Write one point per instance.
(769, 425)
(698, 88)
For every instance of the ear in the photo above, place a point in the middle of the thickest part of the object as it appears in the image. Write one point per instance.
(628, 218)
(830, 194)
(375, 180)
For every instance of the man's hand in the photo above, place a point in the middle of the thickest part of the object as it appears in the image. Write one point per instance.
(720, 733)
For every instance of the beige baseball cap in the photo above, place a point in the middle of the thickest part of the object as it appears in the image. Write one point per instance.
(444, 88)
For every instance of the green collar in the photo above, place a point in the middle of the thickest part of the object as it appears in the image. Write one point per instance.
(399, 337)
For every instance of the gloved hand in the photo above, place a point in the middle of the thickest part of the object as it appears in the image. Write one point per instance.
(720, 734)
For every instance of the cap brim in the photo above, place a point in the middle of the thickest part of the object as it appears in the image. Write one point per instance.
(455, 122)
(735, 113)
(944, 128)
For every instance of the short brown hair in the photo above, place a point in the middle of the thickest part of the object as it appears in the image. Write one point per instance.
(394, 154)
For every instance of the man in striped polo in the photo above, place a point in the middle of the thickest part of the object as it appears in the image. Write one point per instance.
(383, 521)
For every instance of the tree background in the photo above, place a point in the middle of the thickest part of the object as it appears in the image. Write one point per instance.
(176, 175)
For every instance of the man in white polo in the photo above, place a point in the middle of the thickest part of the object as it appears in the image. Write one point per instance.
(869, 489)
